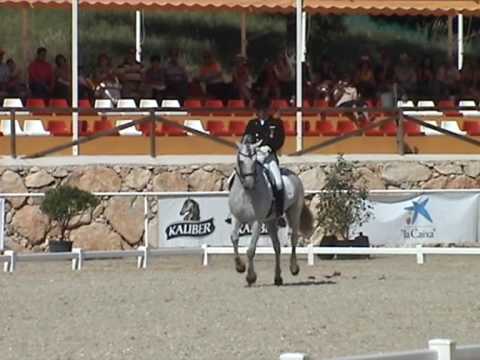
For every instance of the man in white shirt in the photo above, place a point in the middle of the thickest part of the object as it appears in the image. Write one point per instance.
(346, 95)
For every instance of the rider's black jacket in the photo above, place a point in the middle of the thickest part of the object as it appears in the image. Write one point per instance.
(271, 132)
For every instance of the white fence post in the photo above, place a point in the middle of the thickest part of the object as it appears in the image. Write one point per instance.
(77, 262)
(310, 255)
(9, 265)
(445, 348)
(293, 356)
(205, 254)
(142, 259)
(420, 255)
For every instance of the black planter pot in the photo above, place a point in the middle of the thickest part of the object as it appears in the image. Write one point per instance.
(359, 241)
(327, 241)
(60, 246)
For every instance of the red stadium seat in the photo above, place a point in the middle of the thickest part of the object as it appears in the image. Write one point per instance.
(278, 104)
(346, 126)
(217, 105)
(412, 128)
(103, 125)
(216, 127)
(374, 132)
(449, 104)
(192, 104)
(84, 104)
(146, 129)
(390, 128)
(289, 128)
(59, 128)
(172, 130)
(325, 128)
(237, 127)
(37, 104)
(59, 103)
(239, 104)
(472, 127)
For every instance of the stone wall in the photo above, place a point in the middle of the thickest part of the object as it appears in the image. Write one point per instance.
(118, 222)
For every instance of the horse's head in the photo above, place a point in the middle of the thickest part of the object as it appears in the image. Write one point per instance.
(246, 167)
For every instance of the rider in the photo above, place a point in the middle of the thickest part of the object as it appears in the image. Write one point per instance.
(270, 132)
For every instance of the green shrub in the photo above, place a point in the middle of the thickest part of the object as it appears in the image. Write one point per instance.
(64, 202)
(343, 204)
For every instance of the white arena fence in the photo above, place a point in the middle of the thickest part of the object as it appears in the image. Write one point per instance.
(438, 349)
(144, 252)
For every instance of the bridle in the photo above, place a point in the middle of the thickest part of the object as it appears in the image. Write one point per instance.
(238, 169)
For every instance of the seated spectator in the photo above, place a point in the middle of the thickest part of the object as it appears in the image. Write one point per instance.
(241, 79)
(384, 78)
(3, 75)
(346, 95)
(425, 78)
(453, 78)
(176, 77)
(405, 77)
(212, 77)
(155, 79)
(40, 76)
(365, 78)
(268, 82)
(62, 84)
(105, 79)
(284, 75)
(441, 84)
(325, 71)
(130, 73)
(468, 85)
(15, 87)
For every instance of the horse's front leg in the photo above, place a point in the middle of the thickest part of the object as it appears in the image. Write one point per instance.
(234, 237)
(273, 231)
(251, 275)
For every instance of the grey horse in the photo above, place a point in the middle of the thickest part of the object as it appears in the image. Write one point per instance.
(251, 200)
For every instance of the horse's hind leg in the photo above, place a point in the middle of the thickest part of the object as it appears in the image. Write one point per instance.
(234, 237)
(294, 223)
(251, 275)
(273, 231)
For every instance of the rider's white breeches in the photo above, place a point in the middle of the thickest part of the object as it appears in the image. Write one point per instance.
(272, 166)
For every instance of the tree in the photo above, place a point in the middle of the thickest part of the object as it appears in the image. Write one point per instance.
(343, 204)
(64, 202)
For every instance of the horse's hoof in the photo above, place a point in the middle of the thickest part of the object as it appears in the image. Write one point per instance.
(239, 266)
(278, 281)
(251, 278)
(294, 269)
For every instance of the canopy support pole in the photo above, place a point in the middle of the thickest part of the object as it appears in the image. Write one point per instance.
(460, 42)
(243, 34)
(75, 75)
(299, 78)
(138, 36)
(450, 37)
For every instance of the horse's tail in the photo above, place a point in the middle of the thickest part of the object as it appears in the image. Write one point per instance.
(306, 221)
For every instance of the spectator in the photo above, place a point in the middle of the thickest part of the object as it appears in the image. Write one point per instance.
(268, 82)
(62, 85)
(425, 78)
(384, 78)
(405, 76)
(346, 95)
(176, 77)
(284, 75)
(241, 79)
(441, 83)
(15, 86)
(40, 76)
(3, 74)
(325, 71)
(106, 82)
(155, 79)
(211, 75)
(131, 76)
(365, 78)
(452, 78)
(468, 85)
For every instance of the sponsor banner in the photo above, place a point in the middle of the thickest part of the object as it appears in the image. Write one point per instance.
(193, 221)
(440, 218)
(399, 220)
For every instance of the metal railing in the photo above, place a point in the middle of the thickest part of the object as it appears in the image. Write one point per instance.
(153, 117)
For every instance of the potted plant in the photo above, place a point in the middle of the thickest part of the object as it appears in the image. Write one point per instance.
(61, 205)
(343, 206)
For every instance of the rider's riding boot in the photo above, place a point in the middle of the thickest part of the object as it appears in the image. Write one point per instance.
(279, 203)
